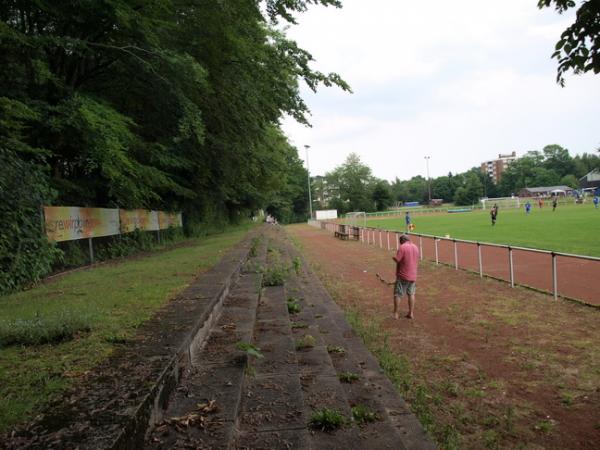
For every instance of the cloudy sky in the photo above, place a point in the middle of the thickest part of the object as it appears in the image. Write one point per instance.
(459, 81)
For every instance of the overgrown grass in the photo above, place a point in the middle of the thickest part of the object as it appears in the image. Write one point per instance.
(398, 370)
(111, 300)
(51, 329)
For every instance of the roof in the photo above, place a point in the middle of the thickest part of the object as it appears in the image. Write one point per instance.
(548, 188)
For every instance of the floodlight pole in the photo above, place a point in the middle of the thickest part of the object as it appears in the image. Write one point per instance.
(306, 147)
(428, 180)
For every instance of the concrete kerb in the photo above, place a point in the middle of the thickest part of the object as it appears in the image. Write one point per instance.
(94, 415)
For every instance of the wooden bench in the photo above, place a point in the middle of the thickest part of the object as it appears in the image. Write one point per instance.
(342, 233)
(355, 232)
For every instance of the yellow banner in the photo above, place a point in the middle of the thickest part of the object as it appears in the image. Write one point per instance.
(65, 223)
(138, 219)
(168, 220)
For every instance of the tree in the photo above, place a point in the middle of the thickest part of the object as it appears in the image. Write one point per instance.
(382, 195)
(557, 158)
(579, 46)
(353, 183)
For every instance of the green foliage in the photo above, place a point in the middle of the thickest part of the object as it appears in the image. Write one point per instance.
(167, 106)
(348, 377)
(249, 349)
(293, 306)
(47, 329)
(25, 254)
(579, 46)
(275, 275)
(297, 263)
(327, 419)
(299, 325)
(335, 349)
(363, 414)
(305, 342)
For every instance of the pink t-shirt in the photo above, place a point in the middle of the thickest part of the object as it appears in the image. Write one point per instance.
(407, 259)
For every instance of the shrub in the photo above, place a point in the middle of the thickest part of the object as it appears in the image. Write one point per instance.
(293, 306)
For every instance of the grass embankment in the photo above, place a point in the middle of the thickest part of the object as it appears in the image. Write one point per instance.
(54, 333)
(570, 229)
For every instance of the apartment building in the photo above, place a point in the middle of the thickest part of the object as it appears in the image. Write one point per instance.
(495, 167)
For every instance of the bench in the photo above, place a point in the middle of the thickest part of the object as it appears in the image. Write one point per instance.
(341, 235)
(341, 232)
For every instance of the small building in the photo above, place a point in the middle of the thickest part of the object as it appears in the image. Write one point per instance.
(545, 191)
(590, 181)
(496, 167)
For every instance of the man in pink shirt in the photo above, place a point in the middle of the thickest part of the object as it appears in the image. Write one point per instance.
(407, 261)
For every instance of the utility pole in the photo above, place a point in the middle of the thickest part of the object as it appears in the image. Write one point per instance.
(428, 180)
(306, 147)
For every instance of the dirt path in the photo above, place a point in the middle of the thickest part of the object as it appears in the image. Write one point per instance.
(495, 367)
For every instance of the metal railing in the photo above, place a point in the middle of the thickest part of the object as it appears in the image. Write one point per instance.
(560, 274)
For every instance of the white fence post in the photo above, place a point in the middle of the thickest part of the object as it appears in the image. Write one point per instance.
(388, 239)
(479, 260)
(437, 259)
(455, 255)
(511, 267)
(421, 247)
(554, 277)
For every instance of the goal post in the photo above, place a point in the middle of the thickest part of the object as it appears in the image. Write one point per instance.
(357, 219)
(501, 202)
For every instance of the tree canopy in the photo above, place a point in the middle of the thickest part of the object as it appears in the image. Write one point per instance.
(578, 48)
(160, 104)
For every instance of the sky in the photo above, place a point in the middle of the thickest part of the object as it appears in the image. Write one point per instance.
(459, 81)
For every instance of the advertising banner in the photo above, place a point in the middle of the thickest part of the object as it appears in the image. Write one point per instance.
(326, 214)
(65, 223)
(138, 219)
(167, 220)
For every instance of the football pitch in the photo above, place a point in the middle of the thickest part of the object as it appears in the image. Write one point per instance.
(570, 229)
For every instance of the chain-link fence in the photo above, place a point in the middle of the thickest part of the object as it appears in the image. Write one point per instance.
(560, 274)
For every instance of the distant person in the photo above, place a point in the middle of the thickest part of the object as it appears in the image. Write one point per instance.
(596, 201)
(540, 202)
(527, 207)
(407, 261)
(554, 203)
(494, 214)
(408, 221)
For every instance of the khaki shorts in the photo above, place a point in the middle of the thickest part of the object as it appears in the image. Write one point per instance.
(403, 287)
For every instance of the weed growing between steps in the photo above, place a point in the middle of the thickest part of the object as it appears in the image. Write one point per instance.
(305, 342)
(293, 306)
(335, 349)
(327, 419)
(362, 414)
(299, 325)
(111, 300)
(348, 377)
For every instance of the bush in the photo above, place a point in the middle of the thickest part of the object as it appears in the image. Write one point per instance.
(25, 254)
(43, 330)
(327, 419)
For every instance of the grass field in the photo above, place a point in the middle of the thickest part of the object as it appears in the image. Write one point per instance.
(107, 304)
(570, 229)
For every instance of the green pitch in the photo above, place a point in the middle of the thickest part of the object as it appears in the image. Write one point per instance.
(570, 229)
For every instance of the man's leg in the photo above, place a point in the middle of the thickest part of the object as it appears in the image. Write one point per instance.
(411, 306)
(396, 300)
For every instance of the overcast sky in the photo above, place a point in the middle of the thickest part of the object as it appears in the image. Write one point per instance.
(459, 81)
